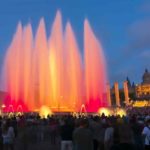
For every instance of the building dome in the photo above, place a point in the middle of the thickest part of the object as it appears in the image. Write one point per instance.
(146, 77)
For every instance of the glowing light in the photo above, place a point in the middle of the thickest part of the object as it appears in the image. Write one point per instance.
(105, 111)
(19, 113)
(10, 114)
(3, 106)
(141, 103)
(75, 114)
(121, 112)
(45, 111)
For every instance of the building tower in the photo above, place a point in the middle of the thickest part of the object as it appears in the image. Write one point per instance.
(126, 92)
(117, 94)
(108, 95)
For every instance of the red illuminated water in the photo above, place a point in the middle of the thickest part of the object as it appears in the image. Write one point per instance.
(43, 71)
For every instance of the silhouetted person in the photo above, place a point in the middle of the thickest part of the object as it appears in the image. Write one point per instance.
(146, 134)
(108, 138)
(1, 138)
(8, 135)
(126, 139)
(82, 137)
(66, 135)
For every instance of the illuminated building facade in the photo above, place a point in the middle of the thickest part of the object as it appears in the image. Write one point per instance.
(131, 92)
(143, 89)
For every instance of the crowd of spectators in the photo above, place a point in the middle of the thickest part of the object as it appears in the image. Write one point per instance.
(82, 132)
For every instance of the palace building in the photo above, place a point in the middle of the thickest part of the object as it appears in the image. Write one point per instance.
(143, 90)
(133, 93)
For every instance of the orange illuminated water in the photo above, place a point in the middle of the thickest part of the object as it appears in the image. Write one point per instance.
(41, 71)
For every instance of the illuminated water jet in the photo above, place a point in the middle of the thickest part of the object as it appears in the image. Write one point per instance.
(83, 109)
(50, 71)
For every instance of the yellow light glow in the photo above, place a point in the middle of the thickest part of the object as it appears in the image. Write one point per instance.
(121, 112)
(141, 103)
(10, 115)
(75, 114)
(19, 113)
(105, 111)
(45, 111)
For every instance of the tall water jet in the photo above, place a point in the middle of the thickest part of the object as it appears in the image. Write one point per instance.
(41, 70)
(95, 77)
(74, 70)
(56, 61)
(27, 66)
(49, 71)
(14, 70)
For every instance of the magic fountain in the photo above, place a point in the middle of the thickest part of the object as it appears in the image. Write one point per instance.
(40, 71)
